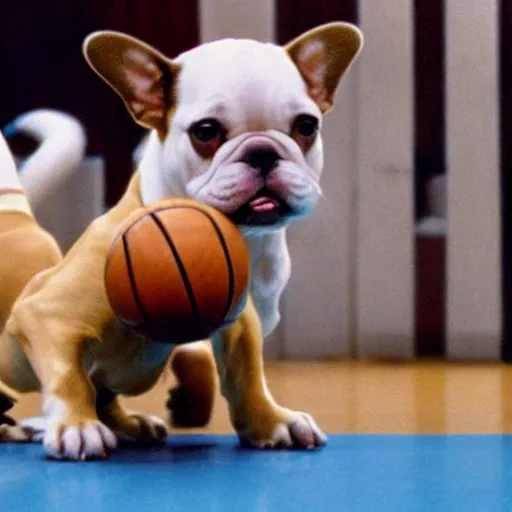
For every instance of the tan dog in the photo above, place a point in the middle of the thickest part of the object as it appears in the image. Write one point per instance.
(234, 124)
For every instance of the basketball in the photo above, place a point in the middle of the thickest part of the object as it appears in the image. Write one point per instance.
(178, 271)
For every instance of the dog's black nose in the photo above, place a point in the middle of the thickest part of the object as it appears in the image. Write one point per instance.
(263, 160)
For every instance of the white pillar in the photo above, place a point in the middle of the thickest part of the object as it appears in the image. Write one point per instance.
(473, 258)
(385, 238)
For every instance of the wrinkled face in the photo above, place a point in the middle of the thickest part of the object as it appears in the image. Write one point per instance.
(245, 134)
(236, 123)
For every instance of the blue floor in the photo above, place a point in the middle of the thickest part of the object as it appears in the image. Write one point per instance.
(210, 473)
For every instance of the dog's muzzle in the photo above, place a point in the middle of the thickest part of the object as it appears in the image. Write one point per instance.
(265, 208)
(260, 181)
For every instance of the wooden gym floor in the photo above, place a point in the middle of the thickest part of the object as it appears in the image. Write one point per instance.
(402, 437)
(371, 397)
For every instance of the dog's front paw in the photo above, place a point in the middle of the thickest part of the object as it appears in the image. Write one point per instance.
(142, 429)
(292, 430)
(81, 440)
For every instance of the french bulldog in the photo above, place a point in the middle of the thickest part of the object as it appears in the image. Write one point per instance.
(234, 124)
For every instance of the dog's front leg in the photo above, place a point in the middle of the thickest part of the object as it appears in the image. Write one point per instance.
(72, 429)
(259, 421)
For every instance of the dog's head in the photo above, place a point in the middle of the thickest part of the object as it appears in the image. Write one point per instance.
(236, 123)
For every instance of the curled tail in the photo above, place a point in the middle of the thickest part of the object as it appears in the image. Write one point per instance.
(62, 147)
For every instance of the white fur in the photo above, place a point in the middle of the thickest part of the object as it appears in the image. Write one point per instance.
(89, 439)
(36, 426)
(62, 147)
(300, 430)
(256, 92)
(271, 269)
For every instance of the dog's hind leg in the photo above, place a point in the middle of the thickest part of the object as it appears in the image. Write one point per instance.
(25, 250)
(191, 402)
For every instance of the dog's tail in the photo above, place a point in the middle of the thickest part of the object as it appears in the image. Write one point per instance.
(62, 144)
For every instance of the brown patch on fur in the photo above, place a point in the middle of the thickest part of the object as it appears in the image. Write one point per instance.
(205, 151)
(10, 191)
(143, 77)
(305, 143)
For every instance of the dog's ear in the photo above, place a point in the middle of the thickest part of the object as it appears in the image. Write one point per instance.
(142, 76)
(323, 55)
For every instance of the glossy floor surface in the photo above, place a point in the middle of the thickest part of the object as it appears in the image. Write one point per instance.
(429, 398)
(414, 437)
(209, 473)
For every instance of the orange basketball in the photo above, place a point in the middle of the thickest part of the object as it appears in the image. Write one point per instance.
(178, 271)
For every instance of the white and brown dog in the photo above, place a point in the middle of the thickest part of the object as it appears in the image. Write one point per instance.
(234, 124)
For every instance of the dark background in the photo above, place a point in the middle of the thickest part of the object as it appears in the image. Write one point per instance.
(40, 48)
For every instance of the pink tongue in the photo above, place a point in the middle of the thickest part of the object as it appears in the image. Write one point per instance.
(263, 204)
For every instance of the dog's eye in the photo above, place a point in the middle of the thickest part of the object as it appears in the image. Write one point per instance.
(306, 126)
(206, 131)
(207, 136)
(304, 131)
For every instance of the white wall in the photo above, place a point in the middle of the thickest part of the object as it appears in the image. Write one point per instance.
(384, 260)
(472, 122)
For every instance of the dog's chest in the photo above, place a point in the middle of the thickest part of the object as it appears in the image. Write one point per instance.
(270, 271)
(269, 262)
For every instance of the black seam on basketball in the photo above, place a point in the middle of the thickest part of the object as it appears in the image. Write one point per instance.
(183, 272)
(131, 277)
(229, 263)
